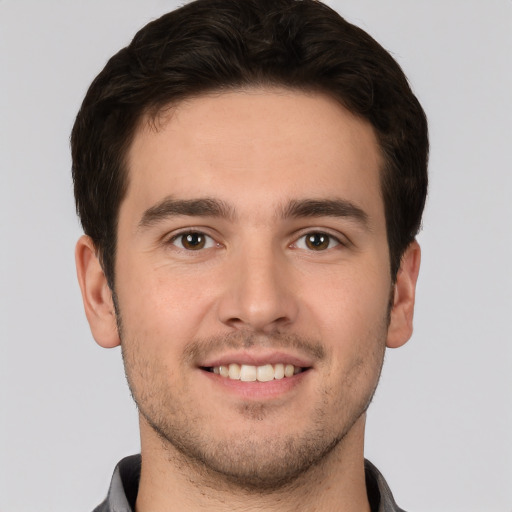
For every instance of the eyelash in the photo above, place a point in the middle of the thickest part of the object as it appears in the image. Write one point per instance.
(208, 242)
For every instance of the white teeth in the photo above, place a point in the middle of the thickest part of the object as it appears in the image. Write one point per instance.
(278, 371)
(265, 373)
(249, 373)
(234, 371)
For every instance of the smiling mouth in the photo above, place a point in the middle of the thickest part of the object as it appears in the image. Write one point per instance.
(250, 373)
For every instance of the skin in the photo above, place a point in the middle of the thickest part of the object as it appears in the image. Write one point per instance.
(255, 291)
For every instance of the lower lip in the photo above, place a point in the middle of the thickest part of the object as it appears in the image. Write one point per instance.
(257, 390)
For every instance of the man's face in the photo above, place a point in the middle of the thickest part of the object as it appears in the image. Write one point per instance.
(253, 238)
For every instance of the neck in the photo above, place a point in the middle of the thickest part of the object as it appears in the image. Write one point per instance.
(170, 482)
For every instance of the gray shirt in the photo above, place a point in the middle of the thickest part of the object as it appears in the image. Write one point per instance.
(125, 484)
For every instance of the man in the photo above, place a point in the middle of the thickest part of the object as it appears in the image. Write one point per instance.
(250, 177)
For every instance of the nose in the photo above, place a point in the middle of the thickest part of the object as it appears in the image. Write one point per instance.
(259, 294)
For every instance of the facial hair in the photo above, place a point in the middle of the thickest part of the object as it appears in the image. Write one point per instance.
(250, 461)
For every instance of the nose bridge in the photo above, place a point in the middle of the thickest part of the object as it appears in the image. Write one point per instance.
(258, 296)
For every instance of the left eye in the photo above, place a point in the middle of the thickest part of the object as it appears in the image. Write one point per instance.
(193, 241)
(316, 241)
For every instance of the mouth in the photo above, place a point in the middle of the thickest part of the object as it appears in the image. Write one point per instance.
(252, 373)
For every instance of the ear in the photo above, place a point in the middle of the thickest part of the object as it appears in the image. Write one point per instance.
(96, 294)
(402, 312)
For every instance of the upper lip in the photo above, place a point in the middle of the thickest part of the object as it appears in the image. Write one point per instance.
(257, 358)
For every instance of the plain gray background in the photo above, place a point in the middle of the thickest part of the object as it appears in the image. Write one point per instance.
(441, 422)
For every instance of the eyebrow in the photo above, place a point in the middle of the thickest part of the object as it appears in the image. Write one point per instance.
(209, 207)
(169, 207)
(325, 208)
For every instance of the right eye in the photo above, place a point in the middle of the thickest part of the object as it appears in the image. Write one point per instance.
(193, 241)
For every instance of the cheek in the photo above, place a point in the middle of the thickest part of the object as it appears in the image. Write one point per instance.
(351, 315)
(352, 300)
(162, 308)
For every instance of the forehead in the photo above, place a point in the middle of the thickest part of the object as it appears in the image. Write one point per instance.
(257, 145)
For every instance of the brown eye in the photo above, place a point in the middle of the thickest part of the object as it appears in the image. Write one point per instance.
(193, 241)
(317, 241)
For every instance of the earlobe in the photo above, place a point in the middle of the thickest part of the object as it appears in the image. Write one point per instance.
(96, 294)
(402, 311)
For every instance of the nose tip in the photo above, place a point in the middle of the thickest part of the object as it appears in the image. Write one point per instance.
(263, 318)
(259, 297)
